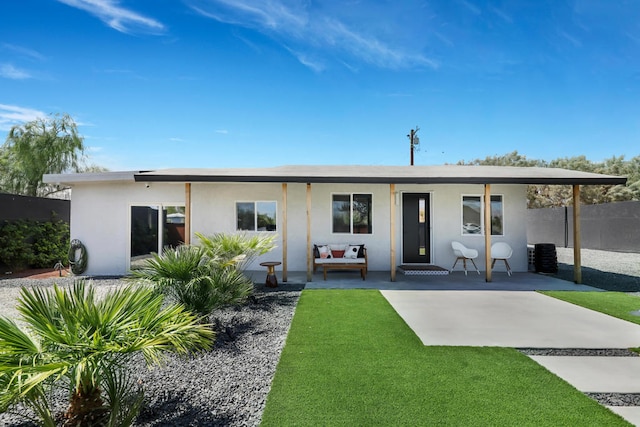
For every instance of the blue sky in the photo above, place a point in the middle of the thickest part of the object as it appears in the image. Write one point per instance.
(225, 83)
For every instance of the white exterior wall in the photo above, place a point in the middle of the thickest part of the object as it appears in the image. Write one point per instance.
(446, 223)
(100, 218)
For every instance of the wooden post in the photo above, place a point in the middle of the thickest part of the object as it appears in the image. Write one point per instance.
(309, 250)
(577, 262)
(284, 231)
(187, 213)
(487, 231)
(392, 230)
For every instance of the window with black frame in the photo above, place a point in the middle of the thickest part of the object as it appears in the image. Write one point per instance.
(473, 215)
(352, 213)
(256, 216)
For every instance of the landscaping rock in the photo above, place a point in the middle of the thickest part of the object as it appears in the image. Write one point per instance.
(227, 385)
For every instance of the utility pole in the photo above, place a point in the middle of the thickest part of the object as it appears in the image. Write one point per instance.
(414, 141)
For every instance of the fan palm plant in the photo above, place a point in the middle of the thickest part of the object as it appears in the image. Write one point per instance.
(239, 247)
(86, 342)
(206, 277)
(173, 268)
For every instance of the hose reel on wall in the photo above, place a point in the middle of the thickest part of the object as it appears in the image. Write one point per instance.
(78, 258)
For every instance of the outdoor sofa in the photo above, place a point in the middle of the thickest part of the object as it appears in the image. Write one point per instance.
(340, 257)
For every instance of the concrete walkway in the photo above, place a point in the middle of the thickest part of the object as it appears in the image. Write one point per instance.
(508, 319)
(529, 320)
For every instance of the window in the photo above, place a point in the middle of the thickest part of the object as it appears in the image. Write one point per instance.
(351, 213)
(256, 216)
(473, 215)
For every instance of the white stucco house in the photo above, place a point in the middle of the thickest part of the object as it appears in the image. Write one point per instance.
(405, 215)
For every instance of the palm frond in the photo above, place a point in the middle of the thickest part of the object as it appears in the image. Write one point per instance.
(227, 247)
(86, 339)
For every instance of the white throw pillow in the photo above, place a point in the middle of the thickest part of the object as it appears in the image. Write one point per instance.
(324, 251)
(351, 252)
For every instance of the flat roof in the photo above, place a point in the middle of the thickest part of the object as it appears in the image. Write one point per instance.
(445, 174)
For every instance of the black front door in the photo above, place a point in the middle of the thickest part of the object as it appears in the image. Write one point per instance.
(416, 238)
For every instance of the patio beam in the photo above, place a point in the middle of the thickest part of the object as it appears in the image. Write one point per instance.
(577, 262)
(187, 213)
(487, 231)
(392, 230)
(284, 232)
(309, 250)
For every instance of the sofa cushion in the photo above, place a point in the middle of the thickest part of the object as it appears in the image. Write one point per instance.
(320, 261)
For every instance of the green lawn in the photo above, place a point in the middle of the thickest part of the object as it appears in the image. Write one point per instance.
(616, 304)
(350, 360)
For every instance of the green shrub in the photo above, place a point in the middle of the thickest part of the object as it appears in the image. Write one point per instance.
(15, 250)
(82, 344)
(240, 248)
(187, 275)
(37, 244)
(206, 277)
(50, 243)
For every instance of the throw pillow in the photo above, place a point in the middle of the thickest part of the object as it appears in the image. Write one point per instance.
(352, 252)
(337, 254)
(323, 251)
(360, 250)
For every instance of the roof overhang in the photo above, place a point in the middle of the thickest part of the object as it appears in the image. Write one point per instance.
(89, 177)
(447, 174)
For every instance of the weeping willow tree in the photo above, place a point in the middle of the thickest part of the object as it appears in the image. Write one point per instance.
(45, 145)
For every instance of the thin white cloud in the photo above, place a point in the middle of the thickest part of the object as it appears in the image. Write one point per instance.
(117, 17)
(571, 39)
(8, 71)
(502, 14)
(11, 115)
(310, 34)
(471, 7)
(24, 51)
(307, 60)
(222, 131)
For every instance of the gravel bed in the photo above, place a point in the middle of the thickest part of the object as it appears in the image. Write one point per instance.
(611, 271)
(616, 399)
(227, 385)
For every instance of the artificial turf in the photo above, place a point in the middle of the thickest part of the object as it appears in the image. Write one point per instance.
(351, 360)
(616, 304)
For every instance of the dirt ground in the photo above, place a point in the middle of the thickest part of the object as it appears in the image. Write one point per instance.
(35, 273)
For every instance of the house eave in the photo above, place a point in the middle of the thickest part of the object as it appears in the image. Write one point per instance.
(90, 177)
(447, 174)
(385, 175)
(380, 180)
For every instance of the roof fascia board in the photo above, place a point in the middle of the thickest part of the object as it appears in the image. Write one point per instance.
(596, 180)
(90, 177)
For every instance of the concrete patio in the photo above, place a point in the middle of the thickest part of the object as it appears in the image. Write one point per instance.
(454, 281)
